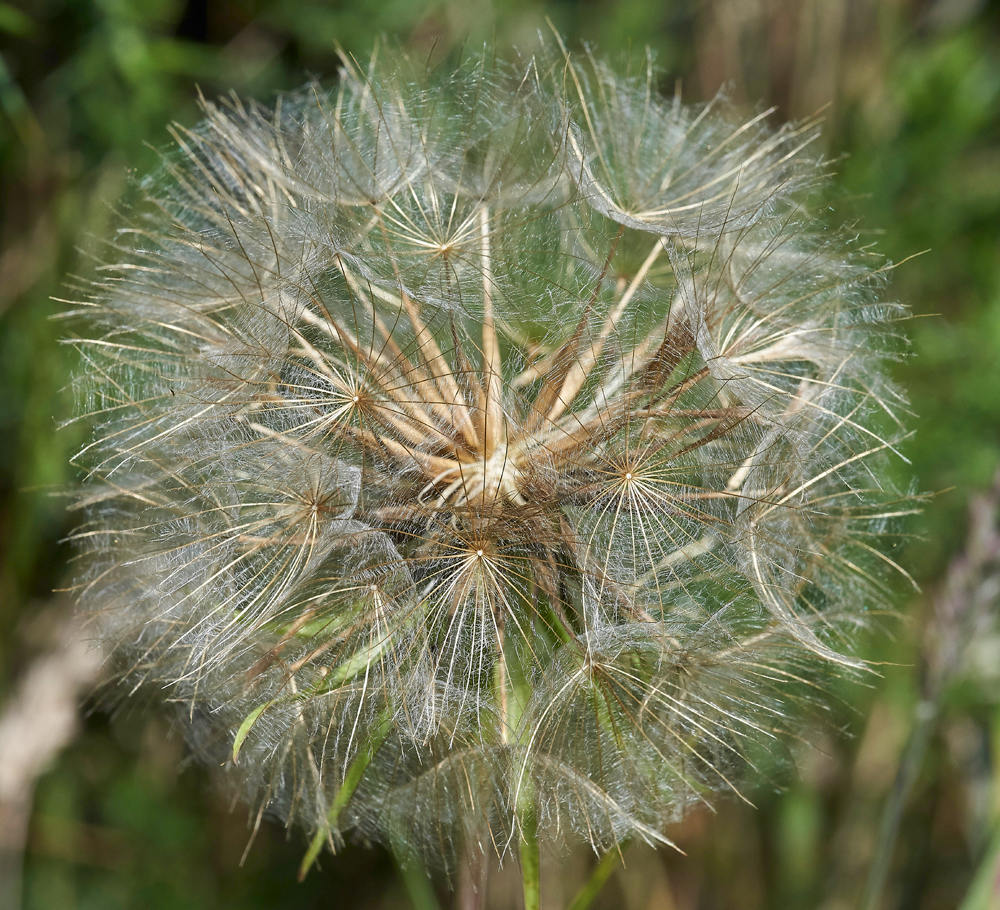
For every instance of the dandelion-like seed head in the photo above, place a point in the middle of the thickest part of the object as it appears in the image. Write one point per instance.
(487, 446)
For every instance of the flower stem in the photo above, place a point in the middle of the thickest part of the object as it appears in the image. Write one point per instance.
(602, 872)
(530, 866)
(417, 882)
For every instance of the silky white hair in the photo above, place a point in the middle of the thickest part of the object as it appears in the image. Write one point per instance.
(471, 444)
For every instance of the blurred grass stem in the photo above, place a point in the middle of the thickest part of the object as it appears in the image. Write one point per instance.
(967, 598)
(925, 718)
(598, 878)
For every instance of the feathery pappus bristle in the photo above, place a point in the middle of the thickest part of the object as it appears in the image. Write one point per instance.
(487, 445)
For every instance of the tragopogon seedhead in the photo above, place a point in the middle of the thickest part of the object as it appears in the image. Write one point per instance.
(485, 452)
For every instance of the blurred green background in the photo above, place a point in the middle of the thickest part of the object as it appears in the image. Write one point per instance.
(910, 92)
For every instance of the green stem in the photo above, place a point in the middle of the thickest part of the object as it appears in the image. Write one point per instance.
(984, 893)
(513, 694)
(892, 816)
(598, 878)
(417, 882)
(352, 777)
(530, 865)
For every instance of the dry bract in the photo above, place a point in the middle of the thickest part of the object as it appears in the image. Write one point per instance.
(477, 447)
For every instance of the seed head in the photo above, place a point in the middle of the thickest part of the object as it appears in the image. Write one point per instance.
(503, 442)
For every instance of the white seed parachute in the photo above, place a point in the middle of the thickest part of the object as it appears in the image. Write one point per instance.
(471, 446)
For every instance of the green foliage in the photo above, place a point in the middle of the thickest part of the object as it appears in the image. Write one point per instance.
(86, 84)
(925, 158)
